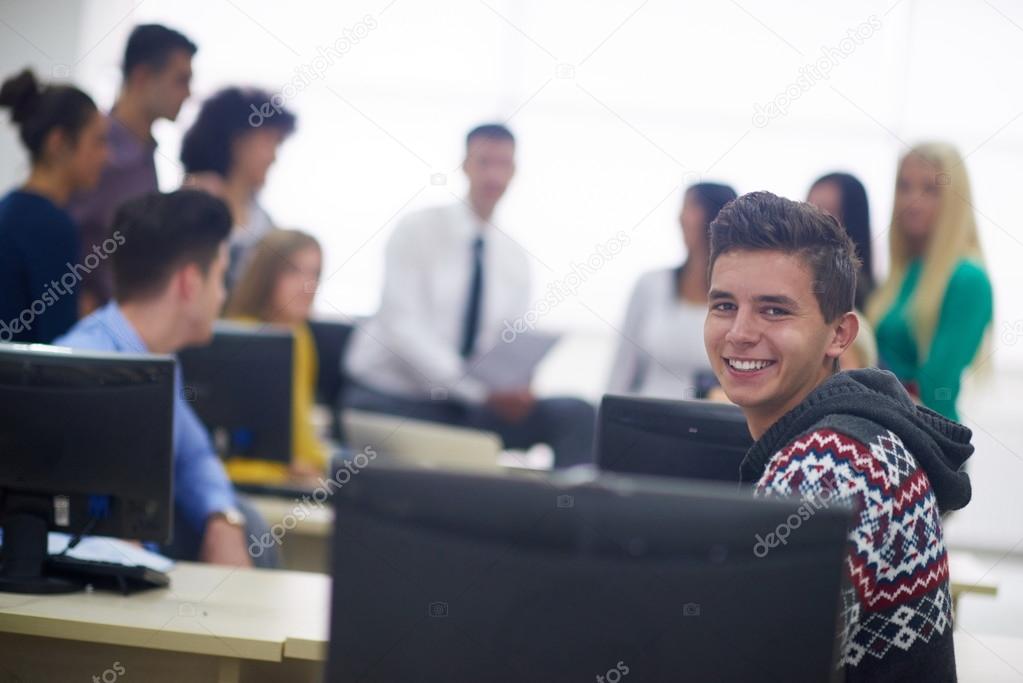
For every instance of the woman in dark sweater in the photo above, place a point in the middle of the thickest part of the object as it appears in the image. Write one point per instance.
(66, 141)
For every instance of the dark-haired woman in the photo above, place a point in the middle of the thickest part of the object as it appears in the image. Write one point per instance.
(228, 152)
(65, 137)
(661, 353)
(845, 198)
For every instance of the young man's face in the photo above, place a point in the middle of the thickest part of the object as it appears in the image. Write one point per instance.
(489, 164)
(166, 89)
(765, 334)
(208, 299)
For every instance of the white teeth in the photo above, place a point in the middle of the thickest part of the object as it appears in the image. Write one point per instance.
(748, 365)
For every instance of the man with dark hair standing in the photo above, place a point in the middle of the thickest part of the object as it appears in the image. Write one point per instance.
(169, 277)
(451, 279)
(157, 71)
(782, 282)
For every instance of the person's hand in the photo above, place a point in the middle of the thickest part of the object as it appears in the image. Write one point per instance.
(301, 473)
(224, 543)
(513, 406)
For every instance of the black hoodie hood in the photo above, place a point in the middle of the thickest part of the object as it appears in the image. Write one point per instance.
(939, 445)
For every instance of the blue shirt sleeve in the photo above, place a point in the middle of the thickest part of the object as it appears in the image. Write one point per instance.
(201, 486)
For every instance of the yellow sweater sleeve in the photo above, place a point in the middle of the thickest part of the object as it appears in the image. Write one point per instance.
(307, 448)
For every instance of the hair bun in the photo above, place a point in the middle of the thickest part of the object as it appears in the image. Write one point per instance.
(20, 93)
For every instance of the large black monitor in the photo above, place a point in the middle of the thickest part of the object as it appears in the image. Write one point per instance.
(240, 386)
(85, 446)
(685, 439)
(442, 576)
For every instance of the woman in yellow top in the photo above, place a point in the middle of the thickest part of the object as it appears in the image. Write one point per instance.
(931, 314)
(277, 287)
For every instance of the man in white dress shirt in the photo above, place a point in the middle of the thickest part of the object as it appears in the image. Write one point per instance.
(451, 280)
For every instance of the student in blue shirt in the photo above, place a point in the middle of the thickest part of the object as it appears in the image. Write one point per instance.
(168, 289)
(40, 267)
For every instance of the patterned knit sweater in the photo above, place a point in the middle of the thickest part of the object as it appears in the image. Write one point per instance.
(859, 438)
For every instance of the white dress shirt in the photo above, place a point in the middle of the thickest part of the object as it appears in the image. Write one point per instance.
(663, 350)
(410, 348)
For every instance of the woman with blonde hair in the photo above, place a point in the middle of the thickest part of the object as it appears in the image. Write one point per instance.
(278, 286)
(932, 312)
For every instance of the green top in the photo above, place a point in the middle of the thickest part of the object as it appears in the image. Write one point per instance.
(965, 313)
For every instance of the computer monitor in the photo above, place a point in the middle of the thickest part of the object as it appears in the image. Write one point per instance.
(240, 386)
(444, 576)
(85, 447)
(331, 339)
(687, 439)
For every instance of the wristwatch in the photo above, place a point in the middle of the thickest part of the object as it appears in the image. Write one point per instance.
(231, 515)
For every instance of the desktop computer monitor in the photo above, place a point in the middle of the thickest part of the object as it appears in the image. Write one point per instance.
(85, 447)
(240, 386)
(444, 576)
(685, 439)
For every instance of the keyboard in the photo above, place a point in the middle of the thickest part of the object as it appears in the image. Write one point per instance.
(122, 578)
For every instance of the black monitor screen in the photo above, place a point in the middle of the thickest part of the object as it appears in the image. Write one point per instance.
(240, 385)
(685, 439)
(459, 577)
(94, 429)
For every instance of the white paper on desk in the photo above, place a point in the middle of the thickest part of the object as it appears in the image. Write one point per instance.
(107, 549)
(510, 365)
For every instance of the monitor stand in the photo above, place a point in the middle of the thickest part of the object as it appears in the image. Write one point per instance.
(23, 557)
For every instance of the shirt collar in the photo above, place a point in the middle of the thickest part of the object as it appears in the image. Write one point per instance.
(124, 333)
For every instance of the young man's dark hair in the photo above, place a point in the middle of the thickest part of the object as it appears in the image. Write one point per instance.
(161, 232)
(492, 131)
(223, 118)
(781, 288)
(152, 45)
(761, 221)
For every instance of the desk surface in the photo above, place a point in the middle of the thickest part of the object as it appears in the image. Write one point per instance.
(967, 574)
(991, 659)
(295, 515)
(240, 613)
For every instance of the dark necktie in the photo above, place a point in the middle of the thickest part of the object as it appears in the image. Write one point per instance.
(470, 329)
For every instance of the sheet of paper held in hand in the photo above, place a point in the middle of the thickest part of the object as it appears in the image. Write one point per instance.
(510, 365)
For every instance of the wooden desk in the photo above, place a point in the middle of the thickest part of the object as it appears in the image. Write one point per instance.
(991, 659)
(213, 624)
(305, 546)
(967, 575)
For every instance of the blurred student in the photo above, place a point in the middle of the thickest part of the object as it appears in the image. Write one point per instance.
(40, 265)
(278, 287)
(660, 353)
(782, 286)
(157, 71)
(932, 311)
(228, 152)
(451, 280)
(843, 196)
(169, 289)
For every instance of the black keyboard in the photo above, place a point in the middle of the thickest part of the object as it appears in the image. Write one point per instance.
(122, 578)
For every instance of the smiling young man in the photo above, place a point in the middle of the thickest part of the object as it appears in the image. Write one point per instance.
(782, 282)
